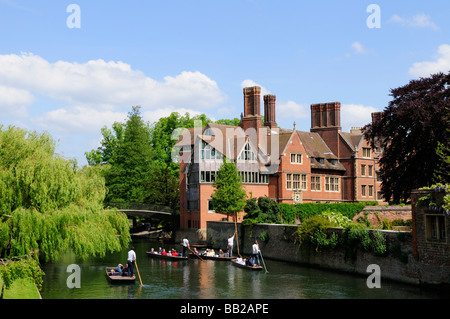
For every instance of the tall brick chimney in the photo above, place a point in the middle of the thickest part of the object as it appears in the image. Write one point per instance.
(252, 105)
(252, 101)
(376, 116)
(269, 111)
(326, 121)
(326, 115)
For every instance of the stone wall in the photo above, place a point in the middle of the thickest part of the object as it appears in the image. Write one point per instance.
(400, 265)
(385, 212)
(431, 248)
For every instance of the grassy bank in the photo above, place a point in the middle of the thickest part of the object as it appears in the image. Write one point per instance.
(21, 289)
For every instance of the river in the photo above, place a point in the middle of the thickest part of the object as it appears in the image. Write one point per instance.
(196, 279)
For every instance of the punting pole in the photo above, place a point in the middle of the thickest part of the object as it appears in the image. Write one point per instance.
(135, 262)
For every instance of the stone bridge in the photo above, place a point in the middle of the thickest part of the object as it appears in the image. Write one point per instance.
(143, 210)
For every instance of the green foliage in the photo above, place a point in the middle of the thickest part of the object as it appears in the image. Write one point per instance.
(233, 122)
(21, 268)
(431, 200)
(262, 210)
(48, 204)
(130, 162)
(164, 134)
(313, 233)
(336, 218)
(264, 237)
(291, 212)
(356, 236)
(229, 195)
(409, 132)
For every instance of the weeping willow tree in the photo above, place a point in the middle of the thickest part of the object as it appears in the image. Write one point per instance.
(48, 205)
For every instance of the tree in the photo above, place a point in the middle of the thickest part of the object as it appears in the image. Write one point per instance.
(409, 132)
(131, 163)
(262, 210)
(48, 205)
(229, 195)
(442, 172)
(233, 122)
(109, 144)
(162, 135)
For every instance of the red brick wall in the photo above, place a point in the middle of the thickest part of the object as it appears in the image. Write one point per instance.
(385, 212)
(435, 254)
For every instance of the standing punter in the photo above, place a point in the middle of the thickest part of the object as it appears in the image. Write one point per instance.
(185, 246)
(131, 258)
(256, 251)
(230, 245)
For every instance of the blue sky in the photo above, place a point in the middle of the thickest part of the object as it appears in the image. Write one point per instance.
(196, 56)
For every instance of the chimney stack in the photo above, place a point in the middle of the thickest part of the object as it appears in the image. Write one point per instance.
(376, 116)
(252, 101)
(269, 111)
(326, 115)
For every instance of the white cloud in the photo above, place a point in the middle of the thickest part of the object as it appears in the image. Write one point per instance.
(420, 20)
(292, 110)
(358, 48)
(96, 92)
(79, 119)
(355, 115)
(441, 64)
(155, 115)
(14, 101)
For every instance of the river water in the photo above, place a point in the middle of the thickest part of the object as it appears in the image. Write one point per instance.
(196, 279)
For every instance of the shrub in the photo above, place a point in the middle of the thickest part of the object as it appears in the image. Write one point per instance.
(263, 210)
(313, 233)
(356, 236)
(291, 212)
(336, 218)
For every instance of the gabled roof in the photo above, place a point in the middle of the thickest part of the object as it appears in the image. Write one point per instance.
(316, 147)
(216, 136)
(353, 140)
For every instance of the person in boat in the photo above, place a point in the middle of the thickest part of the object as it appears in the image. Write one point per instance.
(159, 250)
(164, 253)
(131, 258)
(174, 253)
(239, 260)
(152, 251)
(256, 251)
(230, 244)
(125, 271)
(211, 253)
(249, 262)
(185, 246)
(221, 254)
(196, 251)
(119, 270)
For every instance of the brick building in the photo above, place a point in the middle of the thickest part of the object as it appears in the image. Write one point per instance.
(287, 165)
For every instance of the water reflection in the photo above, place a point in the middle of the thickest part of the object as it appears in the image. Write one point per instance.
(197, 279)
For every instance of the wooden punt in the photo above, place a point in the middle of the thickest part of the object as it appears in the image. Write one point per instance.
(159, 256)
(195, 256)
(118, 278)
(255, 267)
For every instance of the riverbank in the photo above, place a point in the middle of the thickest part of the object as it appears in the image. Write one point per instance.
(21, 289)
(277, 243)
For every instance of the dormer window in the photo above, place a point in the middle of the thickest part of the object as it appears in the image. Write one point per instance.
(208, 152)
(247, 154)
(333, 161)
(321, 160)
